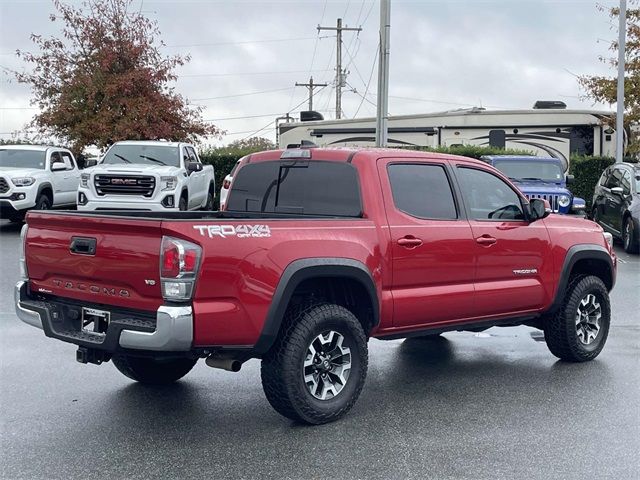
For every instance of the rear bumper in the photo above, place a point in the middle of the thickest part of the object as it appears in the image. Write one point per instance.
(170, 331)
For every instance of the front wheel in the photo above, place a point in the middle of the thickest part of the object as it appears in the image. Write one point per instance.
(630, 239)
(182, 204)
(579, 329)
(43, 203)
(153, 371)
(316, 369)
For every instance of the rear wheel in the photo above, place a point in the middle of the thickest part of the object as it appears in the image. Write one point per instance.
(209, 205)
(578, 331)
(316, 369)
(153, 371)
(630, 238)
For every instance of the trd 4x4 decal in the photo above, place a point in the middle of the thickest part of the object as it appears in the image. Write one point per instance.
(240, 231)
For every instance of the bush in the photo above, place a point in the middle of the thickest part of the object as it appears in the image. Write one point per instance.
(587, 171)
(474, 151)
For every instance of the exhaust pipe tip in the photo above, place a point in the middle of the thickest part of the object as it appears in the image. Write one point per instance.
(229, 364)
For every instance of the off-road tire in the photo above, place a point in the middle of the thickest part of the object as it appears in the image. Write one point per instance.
(43, 203)
(630, 238)
(560, 329)
(183, 206)
(153, 371)
(282, 365)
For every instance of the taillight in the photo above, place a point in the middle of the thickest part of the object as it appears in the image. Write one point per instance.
(24, 275)
(179, 263)
(226, 184)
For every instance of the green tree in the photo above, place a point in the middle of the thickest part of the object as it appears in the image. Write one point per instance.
(103, 79)
(603, 89)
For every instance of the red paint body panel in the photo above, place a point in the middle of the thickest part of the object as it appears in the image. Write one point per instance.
(449, 279)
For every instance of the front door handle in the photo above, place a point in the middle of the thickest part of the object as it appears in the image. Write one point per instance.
(409, 241)
(486, 240)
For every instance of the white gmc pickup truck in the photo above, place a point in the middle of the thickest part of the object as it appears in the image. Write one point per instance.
(36, 177)
(148, 175)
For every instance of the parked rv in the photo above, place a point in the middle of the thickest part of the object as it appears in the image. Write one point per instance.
(548, 130)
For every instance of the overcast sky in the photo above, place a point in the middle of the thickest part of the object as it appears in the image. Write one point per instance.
(447, 54)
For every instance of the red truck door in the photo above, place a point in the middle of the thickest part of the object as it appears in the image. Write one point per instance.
(432, 245)
(513, 257)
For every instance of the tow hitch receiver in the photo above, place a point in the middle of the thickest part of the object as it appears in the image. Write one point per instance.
(89, 355)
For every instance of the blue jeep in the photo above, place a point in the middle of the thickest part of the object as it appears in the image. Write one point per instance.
(540, 177)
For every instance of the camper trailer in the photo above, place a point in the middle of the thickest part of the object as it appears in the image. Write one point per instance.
(548, 129)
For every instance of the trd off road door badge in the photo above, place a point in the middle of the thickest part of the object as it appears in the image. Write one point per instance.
(526, 271)
(239, 231)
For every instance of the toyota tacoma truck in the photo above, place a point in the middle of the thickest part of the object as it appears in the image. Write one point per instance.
(148, 176)
(36, 177)
(318, 250)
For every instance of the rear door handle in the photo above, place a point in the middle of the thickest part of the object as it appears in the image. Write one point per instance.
(486, 240)
(409, 241)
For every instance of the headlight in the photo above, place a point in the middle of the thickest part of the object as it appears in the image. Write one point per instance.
(23, 181)
(168, 183)
(564, 200)
(608, 238)
(84, 180)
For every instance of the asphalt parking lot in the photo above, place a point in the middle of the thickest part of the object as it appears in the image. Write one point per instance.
(481, 406)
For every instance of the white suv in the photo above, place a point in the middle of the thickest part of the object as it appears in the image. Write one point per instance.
(148, 175)
(36, 177)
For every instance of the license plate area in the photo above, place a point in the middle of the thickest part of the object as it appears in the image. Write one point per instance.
(95, 321)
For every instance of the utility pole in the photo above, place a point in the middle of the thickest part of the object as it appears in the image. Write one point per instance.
(622, 30)
(311, 86)
(382, 115)
(340, 74)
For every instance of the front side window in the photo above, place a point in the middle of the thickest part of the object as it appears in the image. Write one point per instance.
(143, 154)
(20, 158)
(422, 191)
(488, 197)
(298, 187)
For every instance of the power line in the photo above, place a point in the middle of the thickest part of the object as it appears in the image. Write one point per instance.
(311, 86)
(245, 73)
(373, 66)
(241, 94)
(243, 42)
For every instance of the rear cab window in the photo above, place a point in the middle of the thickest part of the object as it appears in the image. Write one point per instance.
(317, 188)
(422, 190)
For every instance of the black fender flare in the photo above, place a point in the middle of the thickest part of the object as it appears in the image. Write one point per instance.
(304, 269)
(574, 254)
(42, 187)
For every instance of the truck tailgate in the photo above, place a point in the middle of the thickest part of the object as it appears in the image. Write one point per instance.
(123, 270)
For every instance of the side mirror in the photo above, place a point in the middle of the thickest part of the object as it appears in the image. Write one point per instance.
(58, 166)
(539, 208)
(194, 167)
(617, 190)
(90, 162)
(570, 179)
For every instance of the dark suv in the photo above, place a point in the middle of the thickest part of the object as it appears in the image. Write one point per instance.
(616, 204)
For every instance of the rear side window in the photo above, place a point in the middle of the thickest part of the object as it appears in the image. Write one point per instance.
(422, 191)
(304, 188)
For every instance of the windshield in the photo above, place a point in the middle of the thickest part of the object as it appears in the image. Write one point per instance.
(143, 154)
(22, 158)
(530, 170)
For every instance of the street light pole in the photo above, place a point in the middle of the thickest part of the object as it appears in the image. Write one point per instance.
(382, 114)
(622, 30)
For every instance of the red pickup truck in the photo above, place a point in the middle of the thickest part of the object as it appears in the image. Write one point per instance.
(317, 251)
